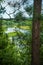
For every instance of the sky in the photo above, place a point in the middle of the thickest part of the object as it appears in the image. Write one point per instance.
(10, 9)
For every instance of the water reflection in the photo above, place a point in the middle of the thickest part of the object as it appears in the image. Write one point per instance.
(15, 29)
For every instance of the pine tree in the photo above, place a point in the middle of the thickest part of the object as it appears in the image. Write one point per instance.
(36, 33)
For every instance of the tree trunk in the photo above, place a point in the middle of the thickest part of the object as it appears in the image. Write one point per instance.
(36, 33)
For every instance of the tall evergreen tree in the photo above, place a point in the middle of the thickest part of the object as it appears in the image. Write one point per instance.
(36, 33)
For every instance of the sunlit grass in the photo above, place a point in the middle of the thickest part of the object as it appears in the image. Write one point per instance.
(12, 34)
(25, 27)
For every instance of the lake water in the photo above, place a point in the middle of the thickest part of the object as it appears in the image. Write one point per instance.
(9, 30)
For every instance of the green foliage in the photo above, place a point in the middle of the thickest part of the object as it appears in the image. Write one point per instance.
(29, 9)
(2, 10)
(18, 52)
(41, 16)
(0, 0)
(19, 17)
(3, 41)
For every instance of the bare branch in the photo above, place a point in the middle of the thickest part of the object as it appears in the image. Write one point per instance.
(8, 14)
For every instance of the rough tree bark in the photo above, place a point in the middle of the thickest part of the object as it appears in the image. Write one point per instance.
(36, 33)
